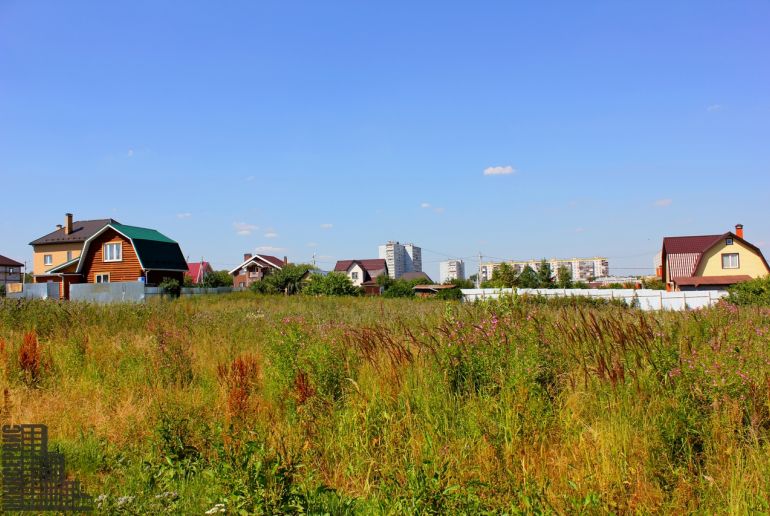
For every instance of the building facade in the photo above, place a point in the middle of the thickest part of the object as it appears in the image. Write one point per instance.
(401, 258)
(10, 270)
(451, 270)
(581, 269)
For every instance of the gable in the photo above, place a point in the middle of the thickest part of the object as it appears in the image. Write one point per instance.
(751, 262)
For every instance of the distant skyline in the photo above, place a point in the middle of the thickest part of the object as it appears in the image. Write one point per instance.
(516, 130)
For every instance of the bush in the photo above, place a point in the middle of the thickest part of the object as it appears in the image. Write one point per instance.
(171, 287)
(333, 284)
(754, 292)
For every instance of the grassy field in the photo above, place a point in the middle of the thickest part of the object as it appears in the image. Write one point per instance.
(280, 405)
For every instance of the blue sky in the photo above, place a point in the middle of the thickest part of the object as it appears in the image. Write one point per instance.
(331, 127)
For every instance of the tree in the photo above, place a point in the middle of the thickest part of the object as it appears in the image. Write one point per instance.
(504, 276)
(528, 278)
(217, 279)
(288, 280)
(333, 284)
(564, 277)
(544, 274)
(461, 283)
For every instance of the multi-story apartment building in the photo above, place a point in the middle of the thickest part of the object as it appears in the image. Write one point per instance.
(451, 270)
(582, 269)
(401, 258)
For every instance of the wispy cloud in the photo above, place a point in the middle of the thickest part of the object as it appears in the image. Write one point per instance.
(662, 203)
(130, 153)
(269, 249)
(499, 171)
(715, 107)
(580, 230)
(327, 226)
(439, 210)
(250, 178)
(185, 215)
(425, 205)
(312, 244)
(271, 234)
(244, 229)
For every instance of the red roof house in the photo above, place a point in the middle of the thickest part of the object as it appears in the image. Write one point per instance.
(197, 271)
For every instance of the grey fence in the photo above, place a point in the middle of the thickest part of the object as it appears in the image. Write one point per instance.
(37, 291)
(108, 292)
(646, 299)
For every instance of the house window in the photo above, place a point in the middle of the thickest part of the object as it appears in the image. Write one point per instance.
(47, 259)
(728, 241)
(730, 261)
(102, 278)
(354, 275)
(10, 271)
(113, 252)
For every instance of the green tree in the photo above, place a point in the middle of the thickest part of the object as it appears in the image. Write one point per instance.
(528, 278)
(288, 280)
(504, 276)
(332, 284)
(544, 275)
(564, 277)
(462, 283)
(217, 279)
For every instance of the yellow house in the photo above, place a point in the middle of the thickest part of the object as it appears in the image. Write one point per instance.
(710, 262)
(63, 245)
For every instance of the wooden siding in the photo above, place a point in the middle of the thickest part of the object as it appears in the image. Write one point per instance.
(128, 269)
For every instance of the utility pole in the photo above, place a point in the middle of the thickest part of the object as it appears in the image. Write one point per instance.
(478, 276)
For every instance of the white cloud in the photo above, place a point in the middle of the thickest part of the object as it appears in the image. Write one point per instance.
(327, 226)
(130, 153)
(439, 210)
(271, 234)
(244, 229)
(499, 171)
(425, 205)
(715, 107)
(251, 178)
(580, 230)
(185, 215)
(662, 203)
(312, 244)
(269, 249)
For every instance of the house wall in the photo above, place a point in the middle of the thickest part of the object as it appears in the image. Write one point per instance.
(58, 253)
(749, 261)
(10, 277)
(356, 268)
(251, 273)
(128, 269)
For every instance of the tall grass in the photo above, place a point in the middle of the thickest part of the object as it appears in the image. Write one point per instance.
(260, 404)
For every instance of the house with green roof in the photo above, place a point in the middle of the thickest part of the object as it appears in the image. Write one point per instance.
(119, 253)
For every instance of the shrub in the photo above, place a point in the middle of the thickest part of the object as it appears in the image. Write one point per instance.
(754, 292)
(171, 287)
(332, 284)
(30, 358)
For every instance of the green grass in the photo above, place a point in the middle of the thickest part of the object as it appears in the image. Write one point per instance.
(269, 404)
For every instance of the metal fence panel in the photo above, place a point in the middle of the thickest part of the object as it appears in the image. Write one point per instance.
(108, 292)
(48, 290)
(645, 298)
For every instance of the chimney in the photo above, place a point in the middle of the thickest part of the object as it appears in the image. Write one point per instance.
(59, 226)
(247, 256)
(67, 223)
(739, 230)
(285, 261)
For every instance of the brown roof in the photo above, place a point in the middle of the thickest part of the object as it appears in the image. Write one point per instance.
(697, 281)
(409, 276)
(369, 265)
(82, 230)
(434, 287)
(7, 262)
(274, 260)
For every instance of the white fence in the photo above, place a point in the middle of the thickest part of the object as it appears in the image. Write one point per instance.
(646, 299)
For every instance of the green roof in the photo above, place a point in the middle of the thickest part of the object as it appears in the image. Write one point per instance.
(137, 233)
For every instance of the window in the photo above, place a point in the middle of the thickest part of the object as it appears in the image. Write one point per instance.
(102, 278)
(728, 241)
(10, 271)
(69, 256)
(730, 261)
(113, 252)
(47, 259)
(354, 275)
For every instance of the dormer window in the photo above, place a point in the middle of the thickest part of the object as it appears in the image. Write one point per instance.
(728, 241)
(113, 252)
